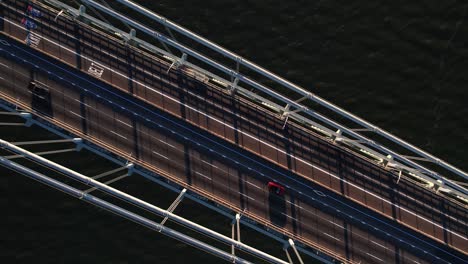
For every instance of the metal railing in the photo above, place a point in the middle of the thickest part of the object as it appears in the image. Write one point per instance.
(132, 200)
(284, 83)
(384, 155)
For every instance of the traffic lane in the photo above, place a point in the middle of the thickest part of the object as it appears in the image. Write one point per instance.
(404, 218)
(360, 244)
(405, 195)
(109, 127)
(381, 227)
(257, 147)
(369, 199)
(106, 120)
(6, 68)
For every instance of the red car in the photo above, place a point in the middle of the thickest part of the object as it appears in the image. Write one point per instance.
(276, 188)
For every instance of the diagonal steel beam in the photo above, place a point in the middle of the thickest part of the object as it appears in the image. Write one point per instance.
(120, 211)
(138, 202)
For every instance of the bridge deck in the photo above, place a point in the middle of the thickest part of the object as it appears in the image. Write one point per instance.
(318, 174)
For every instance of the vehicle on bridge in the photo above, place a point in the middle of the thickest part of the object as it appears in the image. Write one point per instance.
(276, 188)
(28, 24)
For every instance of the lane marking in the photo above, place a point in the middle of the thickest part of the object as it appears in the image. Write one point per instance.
(203, 175)
(162, 141)
(78, 115)
(209, 163)
(411, 198)
(4, 65)
(349, 205)
(96, 70)
(246, 196)
(288, 216)
(4, 42)
(159, 154)
(331, 236)
(334, 223)
(316, 215)
(300, 207)
(374, 256)
(379, 244)
(120, 121)
(113, 132)
(303, 223)
(256, 186)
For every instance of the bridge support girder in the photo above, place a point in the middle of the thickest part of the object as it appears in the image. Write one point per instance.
(174, 204)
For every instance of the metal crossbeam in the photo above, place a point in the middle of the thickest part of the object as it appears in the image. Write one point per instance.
(295, 116)
(174, 204)
(324, 258)
(370, 143)
(291, 243)
(12, 124)
(177, 63)
(109, 182)
(285, 248)
(121, 212)
(42, 153)
(361, 129)
(53, 141)
(10, 113)
(287, 84)
(417, 158)
(104, 174)
(135, 201)
(235, 224)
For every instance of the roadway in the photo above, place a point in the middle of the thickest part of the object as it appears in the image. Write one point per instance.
(208, 164)
(248, 120)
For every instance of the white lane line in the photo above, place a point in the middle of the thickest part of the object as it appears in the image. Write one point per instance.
(379, 244)
(203, 175)
(331, 236)
(253, 137)
(305, 209)
(162, 141)
(411, 198)
(374, 256)
(159, 154)
(246, 196)
(4, 65)
(78, 115)
(256, 186)
(289, 217)
(206, 162)
(113, 132)
(120, 121)
(340, 226)
(298, 206)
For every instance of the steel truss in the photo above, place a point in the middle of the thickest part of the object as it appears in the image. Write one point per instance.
(166, 214)
(402, 165)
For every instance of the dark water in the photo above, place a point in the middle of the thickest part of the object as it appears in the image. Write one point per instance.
(402, 65)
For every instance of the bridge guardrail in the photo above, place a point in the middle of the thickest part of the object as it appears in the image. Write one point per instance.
(363, 145)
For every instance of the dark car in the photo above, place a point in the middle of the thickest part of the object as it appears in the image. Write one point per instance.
(276, 188)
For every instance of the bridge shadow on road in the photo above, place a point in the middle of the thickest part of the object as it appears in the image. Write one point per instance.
(277, 209)
(41, 99)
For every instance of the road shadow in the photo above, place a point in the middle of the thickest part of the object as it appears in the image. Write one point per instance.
(41, 100)
(277, 209)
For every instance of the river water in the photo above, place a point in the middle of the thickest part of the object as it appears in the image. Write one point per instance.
(403, 65)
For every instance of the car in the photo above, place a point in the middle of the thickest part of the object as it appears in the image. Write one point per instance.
(276, 188)
(28, 24)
